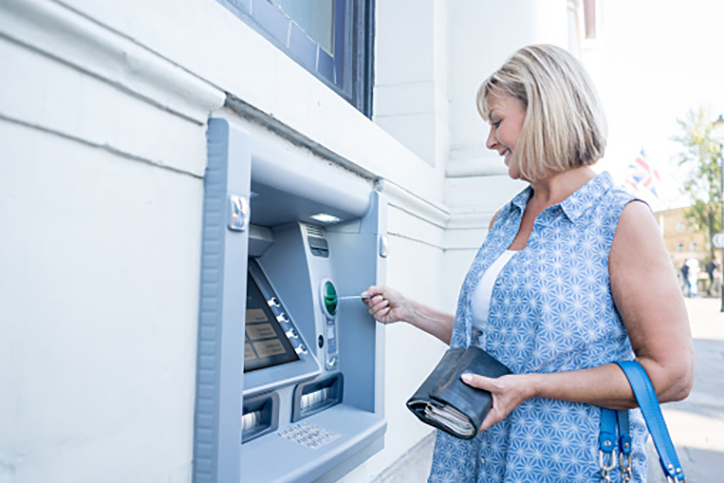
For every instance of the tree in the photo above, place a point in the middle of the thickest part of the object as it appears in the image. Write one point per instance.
(703, 183)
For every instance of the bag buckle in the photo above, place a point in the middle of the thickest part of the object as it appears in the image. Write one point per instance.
(606, 468)
(671, 479)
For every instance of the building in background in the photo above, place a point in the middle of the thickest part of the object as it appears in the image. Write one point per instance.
(684, 242)
(104, 109)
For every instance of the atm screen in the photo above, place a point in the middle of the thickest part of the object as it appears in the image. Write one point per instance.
(265, 343)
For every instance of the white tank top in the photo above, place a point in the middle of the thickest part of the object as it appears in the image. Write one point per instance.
(484, 291)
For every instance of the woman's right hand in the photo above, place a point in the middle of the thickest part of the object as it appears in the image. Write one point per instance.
(387, 305)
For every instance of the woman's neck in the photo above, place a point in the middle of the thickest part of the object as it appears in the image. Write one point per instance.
(557, 187)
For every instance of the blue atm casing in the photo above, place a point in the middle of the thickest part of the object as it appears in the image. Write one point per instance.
(289, 379)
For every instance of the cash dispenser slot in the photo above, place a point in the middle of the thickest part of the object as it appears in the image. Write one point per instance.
(260, 416)
(313, 397)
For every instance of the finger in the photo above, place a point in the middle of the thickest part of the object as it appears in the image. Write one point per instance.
(378, 305)
(373, 290)
(371, 302)
(493, 417)
(381, 313)
(477, 381)
(378, 297)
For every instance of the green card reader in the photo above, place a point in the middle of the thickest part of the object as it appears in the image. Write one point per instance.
(329, 307)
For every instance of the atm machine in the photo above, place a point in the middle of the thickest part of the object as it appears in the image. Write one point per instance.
(289, 366)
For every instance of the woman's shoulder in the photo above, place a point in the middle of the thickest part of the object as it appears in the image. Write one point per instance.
(617, 201)
(637, 230)
(636, 214)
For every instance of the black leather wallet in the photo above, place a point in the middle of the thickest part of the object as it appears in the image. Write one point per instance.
(446, 402)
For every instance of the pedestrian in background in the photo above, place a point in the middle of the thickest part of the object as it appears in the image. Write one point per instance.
(694, 270)
(710, 267)
(572, 276)
(685, 287)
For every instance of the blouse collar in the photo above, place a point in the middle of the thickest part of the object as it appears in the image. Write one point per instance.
(578, 203)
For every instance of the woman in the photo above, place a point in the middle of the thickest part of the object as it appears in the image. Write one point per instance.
(572, 276)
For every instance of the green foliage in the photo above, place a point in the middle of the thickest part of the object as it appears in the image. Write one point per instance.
(703, 185)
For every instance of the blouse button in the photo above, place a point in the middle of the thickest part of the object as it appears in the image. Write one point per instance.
(482, 459)
(498, 282)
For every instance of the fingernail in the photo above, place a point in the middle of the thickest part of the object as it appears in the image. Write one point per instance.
(467, 378)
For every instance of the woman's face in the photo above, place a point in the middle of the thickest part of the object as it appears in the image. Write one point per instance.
(507, 115)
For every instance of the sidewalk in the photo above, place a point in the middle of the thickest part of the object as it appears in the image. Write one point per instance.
(697, 423)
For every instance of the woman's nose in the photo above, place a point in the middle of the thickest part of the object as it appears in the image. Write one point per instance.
(492, 141)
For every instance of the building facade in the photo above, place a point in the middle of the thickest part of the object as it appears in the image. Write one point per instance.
(104, 108)
(685, 243)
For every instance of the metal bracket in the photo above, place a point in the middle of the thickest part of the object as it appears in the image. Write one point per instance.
(384, 246)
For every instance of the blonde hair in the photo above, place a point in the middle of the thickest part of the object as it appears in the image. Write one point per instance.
(564, 125)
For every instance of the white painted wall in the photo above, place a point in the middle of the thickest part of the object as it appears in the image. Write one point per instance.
(102, 152)
(411, 85)
(99, 281)
(103, 111)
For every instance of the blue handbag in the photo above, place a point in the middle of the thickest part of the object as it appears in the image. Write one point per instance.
(617, 421)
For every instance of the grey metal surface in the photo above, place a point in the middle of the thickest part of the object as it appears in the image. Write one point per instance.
(285, 191)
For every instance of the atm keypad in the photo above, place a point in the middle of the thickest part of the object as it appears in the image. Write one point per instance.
(309, 435)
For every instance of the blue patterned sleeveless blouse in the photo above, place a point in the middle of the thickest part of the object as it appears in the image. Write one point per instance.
(551, 310)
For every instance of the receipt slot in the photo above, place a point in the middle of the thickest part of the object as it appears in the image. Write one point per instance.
(289, 371)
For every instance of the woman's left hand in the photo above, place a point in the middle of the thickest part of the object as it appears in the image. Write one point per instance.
(508, 392)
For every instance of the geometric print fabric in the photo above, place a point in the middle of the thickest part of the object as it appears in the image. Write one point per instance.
(551, 310)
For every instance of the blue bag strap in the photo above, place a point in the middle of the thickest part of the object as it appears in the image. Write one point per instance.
(608, 430)
(606, 440)
(611, 421)
(624, 442)
(649, 404)
(625, 446)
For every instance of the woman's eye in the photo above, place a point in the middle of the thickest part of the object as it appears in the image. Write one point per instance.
(495, 124)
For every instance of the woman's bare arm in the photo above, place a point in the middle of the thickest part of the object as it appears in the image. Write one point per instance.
(388, 306)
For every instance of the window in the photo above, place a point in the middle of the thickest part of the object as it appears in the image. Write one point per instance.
(679, 247)
(332, 39)
(681, 226)
(693, 246)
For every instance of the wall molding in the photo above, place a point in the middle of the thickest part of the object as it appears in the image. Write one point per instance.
(469, 220)
(412, 204)
(69, 37)
(103, 147)
(475, 166)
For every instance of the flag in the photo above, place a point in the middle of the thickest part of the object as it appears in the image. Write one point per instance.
(642, 176)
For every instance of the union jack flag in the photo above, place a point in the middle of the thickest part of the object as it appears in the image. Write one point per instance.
(642, 176)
